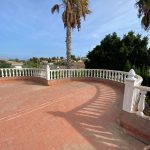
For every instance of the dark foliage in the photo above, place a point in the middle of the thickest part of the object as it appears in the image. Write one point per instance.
(4, 64)
(120, 54)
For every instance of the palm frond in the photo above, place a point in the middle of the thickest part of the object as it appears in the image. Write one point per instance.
(55, 8)
(144, 13)
(74, 10)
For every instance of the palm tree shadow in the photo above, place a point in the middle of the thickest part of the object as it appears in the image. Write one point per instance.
(96, 120)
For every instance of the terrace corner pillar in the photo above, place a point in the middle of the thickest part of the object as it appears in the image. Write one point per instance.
(129, 94)
(47, 72)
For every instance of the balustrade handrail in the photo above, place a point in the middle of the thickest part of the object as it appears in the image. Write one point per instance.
(139, 80)
(143, 88)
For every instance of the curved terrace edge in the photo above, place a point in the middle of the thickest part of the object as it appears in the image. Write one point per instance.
(132, 117)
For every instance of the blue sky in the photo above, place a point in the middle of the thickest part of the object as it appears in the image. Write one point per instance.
(28, 29)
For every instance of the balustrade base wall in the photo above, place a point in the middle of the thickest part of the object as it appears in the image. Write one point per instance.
(57, 81)
(136, 126)
(24, 79)
(63, 81)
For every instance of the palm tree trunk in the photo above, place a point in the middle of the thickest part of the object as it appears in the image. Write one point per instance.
(68, 47)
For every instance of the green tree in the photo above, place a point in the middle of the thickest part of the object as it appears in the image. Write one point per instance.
(108, 55)
(73, 11)
(127, 66)
(32, 63)
(144, 13)
(120, 54)
(73, 57)
(4, 64)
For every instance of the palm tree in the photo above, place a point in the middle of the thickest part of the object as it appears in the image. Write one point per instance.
(144, 13)
(73, 11)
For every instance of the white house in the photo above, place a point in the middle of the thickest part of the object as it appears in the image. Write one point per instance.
(15, 64)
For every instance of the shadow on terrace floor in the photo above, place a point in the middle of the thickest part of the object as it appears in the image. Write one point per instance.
(96, 120)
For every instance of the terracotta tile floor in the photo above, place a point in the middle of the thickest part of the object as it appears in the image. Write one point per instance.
(73, 116)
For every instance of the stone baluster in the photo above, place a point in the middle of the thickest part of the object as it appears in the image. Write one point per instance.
(110, 75)
(9, 73)
(70, 73)
(27, 72)
(50, 72)
(103, 73)
(32, 72)
(35, 73)
(118, 76)
(82, 73)
(85, 73)
(54, 72)
(141, 104)
(6, 73)
(63, 73)
(122, 77)
(94, 73)
(23, 72)
(58, 74)
(106, 74)
(19, 72)
(90, 73)
(51, 75)
(73, 73)
(67, 73)
(2, 73)
(100, 73)
(78, 73)
(13, 72)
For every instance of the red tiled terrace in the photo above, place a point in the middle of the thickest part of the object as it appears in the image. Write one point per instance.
(78, 115)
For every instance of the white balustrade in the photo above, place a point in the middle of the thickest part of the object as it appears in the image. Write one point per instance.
(14, 72)
(64, 73)
(142, 95)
